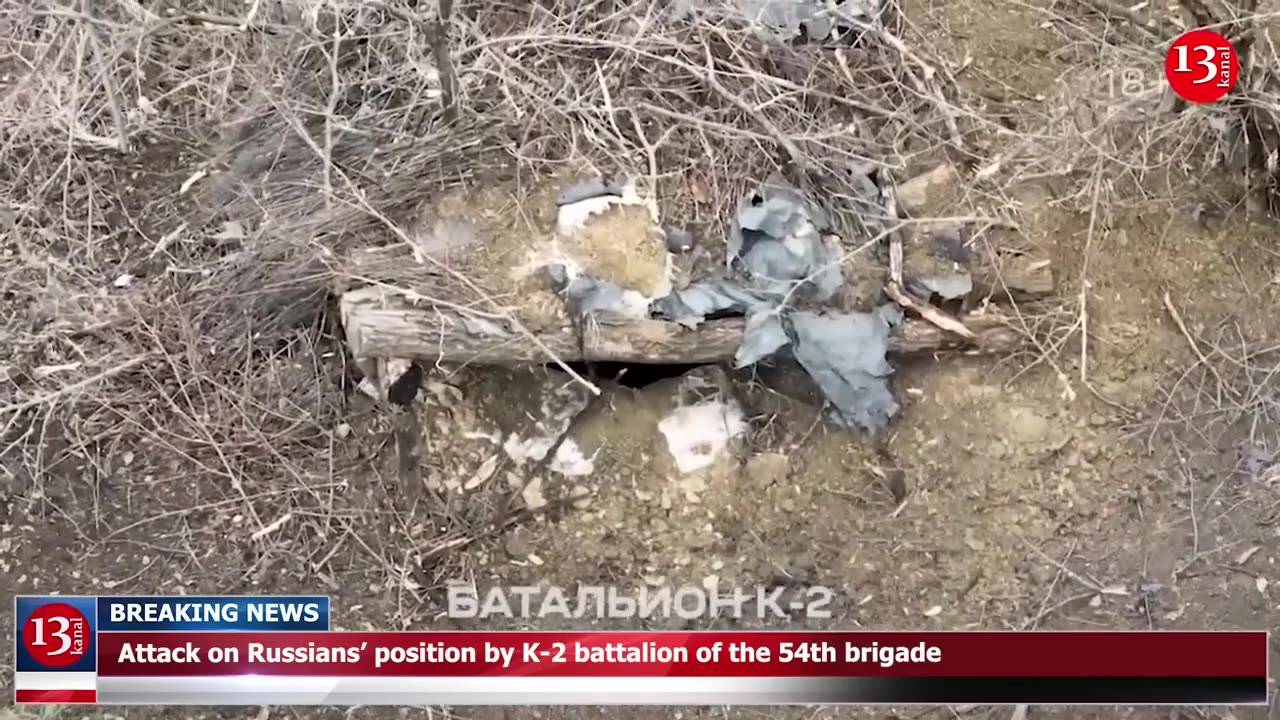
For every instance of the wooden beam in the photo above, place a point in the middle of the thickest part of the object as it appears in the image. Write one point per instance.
(381, 327)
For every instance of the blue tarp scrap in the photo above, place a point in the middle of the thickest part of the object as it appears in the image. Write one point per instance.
(778, 238)
(845, 355)
(713, 298)
(777, 256)
(585, 296)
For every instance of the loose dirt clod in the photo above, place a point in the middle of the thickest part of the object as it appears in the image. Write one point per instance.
(625, 245)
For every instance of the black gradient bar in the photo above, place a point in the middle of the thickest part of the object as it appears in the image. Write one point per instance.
(523, 690)
(1047, 691)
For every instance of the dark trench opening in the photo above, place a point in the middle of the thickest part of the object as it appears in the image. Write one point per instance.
(636, 375)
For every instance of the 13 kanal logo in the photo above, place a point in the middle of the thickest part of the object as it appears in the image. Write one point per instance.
(56, 635)
(1201, 66)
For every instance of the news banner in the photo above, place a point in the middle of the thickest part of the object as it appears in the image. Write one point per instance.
(283, 651)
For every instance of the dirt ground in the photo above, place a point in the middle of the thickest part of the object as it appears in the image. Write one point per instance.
(1075, 490)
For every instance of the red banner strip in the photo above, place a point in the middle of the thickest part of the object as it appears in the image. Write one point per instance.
(682, 654)
(67, 697)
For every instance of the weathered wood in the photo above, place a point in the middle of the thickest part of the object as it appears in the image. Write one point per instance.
(921, 193)
(439, 328)
(382, 327)
(1031, 281)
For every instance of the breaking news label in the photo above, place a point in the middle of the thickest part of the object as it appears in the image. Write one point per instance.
(253, 651)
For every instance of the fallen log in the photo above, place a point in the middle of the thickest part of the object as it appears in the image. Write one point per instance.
(379, 325)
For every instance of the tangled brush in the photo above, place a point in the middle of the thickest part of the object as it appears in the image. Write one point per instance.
(348, 138)
(184, 182)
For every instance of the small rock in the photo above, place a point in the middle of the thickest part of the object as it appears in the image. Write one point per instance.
(693, 488)
(482, 474)
(767, 468)
(1042, 574)
(516, 544)
(700, 541)
(532, 495)
(1028, 425)
(915, 193)
(232, 231)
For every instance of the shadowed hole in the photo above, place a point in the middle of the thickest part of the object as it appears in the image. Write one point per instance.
(637, 375)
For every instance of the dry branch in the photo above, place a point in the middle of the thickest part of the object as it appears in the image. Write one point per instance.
(378, 326)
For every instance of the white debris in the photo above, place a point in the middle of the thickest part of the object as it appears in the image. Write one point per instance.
(492, 437)
(786, 19)
(482, 474)
(697, 434)
(46, 371)
(580, 203)
(232, 231)
(195, 178)
(573, 217)
(557, 411)
(390, 371)
(569, 459)
(532, 493)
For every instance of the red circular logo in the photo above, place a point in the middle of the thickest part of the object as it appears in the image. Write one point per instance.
(56, 635)
(1201, 66)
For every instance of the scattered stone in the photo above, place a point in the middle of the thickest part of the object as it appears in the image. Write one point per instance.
(516, 543)
(1027, 425)
(482, 473)
(532, 494)
(767, 468)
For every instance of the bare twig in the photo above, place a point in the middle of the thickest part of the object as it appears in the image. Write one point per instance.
(444, 61)
(108, 80)
(73, 388)
(1195, 347)
(927, 311)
